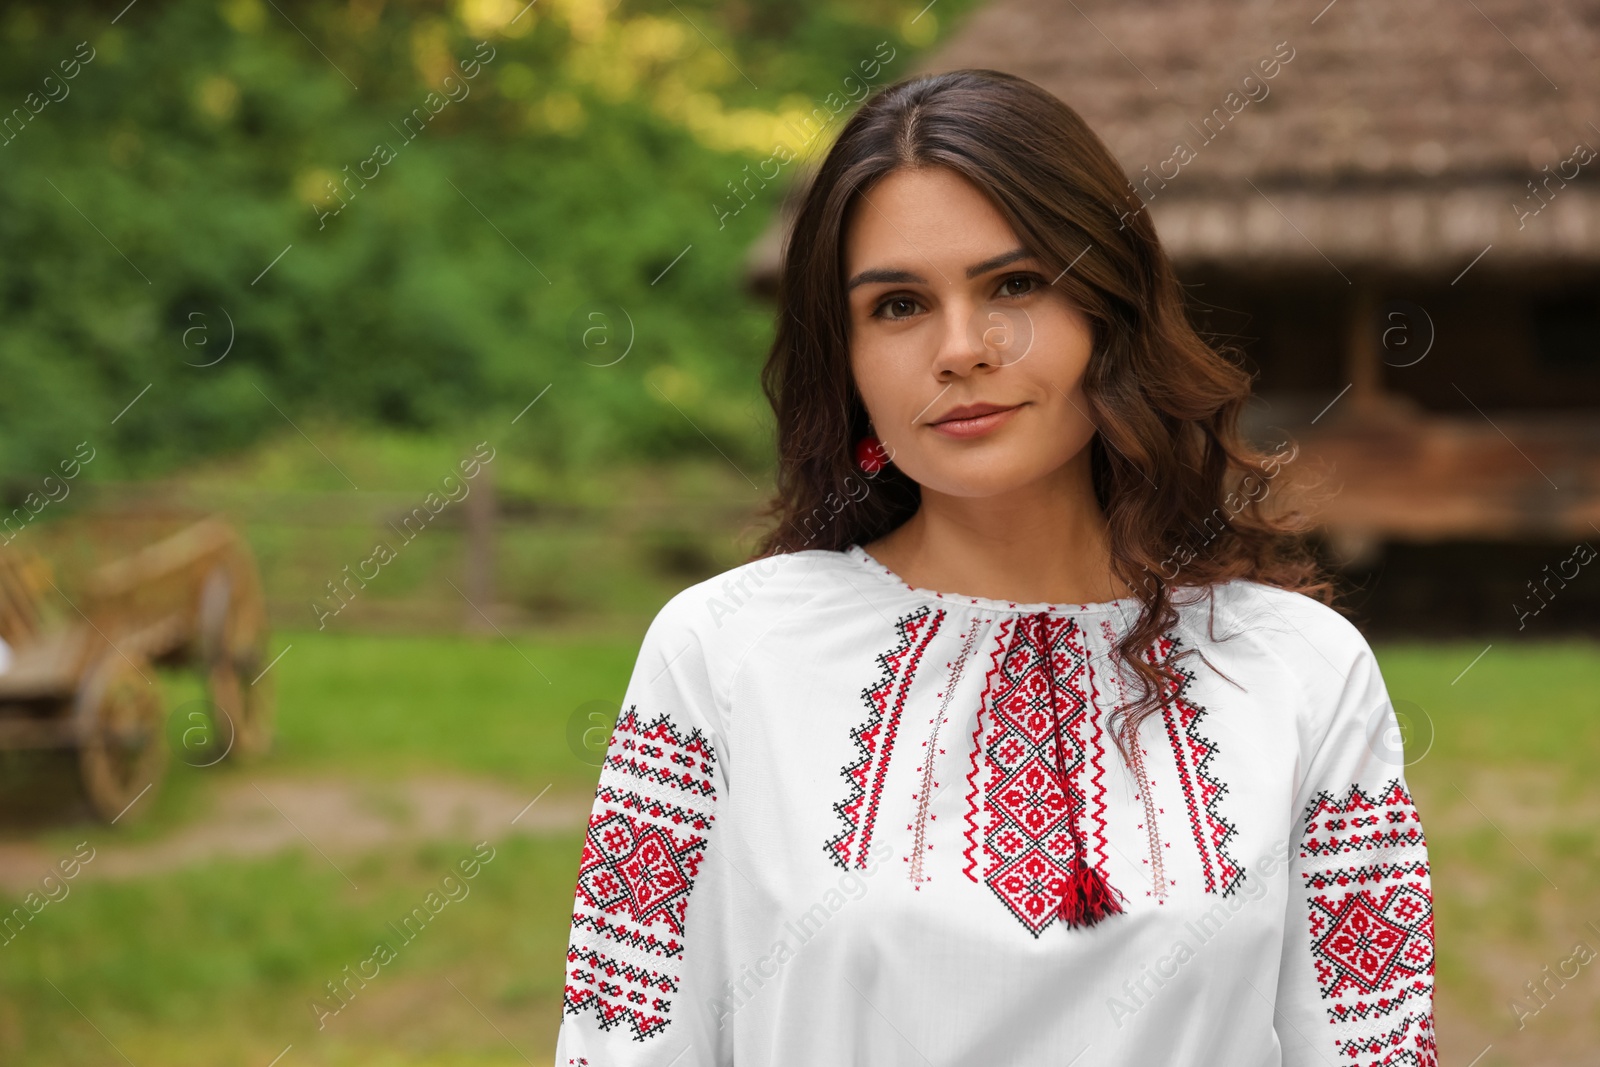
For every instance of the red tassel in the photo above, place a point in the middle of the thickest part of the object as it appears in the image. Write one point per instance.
(1089, 898)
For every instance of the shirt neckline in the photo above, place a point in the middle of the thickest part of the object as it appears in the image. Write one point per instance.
(1127, 607)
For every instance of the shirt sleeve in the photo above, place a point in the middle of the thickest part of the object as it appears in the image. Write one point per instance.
(642, 957)
(1355, 985)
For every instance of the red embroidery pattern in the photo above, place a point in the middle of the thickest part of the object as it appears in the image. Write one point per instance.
(1001, 641)
(647, 835)
(1358, 822)
(1367, 937)
(1158, 872)
(875, 737)
(1411, 1043)
(1371, 924)
(1193, 752)
(924, 797)
(1037, 731)
(1097, 787)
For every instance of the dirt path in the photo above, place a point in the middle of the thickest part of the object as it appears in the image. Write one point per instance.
(342, 818)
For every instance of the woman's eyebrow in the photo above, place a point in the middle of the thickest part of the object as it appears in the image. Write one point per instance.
(880, 274)
(997, 261)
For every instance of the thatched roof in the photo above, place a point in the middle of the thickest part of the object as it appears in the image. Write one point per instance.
(1395, 134)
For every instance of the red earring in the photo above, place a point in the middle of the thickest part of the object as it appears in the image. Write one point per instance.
(870, 454)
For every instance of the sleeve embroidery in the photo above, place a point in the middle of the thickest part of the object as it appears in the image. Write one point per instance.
(647, 834)
(1364, 866)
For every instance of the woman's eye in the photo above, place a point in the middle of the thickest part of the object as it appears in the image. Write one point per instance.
(1017, 285)
(896, 307)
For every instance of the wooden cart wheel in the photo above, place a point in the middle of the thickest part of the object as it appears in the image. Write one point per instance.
(121, 747)
(249, 707)
(260, 706)
(232, 639)
(212, 615)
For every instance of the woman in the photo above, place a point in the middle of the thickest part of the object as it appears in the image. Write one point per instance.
(1027, 738)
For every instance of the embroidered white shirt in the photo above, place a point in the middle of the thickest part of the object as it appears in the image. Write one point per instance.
(840, 821)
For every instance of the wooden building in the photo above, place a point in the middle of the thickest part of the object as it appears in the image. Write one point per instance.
(1394, 209)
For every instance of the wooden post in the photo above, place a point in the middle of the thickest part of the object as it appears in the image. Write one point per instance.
(1363, 366)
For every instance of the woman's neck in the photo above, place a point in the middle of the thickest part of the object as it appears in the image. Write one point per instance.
(1041, 543)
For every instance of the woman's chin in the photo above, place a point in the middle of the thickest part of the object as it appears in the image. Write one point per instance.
(992, 474)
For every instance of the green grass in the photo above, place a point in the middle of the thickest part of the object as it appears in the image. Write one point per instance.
(493, 705)
(221, 965)
(1520, 703)
(217, 965)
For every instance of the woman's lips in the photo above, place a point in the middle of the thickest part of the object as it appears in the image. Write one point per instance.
(976, 426)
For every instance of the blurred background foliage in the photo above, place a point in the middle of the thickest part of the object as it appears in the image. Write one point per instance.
(201, 140)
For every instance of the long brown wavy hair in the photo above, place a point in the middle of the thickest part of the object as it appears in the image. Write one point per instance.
(1171, 469)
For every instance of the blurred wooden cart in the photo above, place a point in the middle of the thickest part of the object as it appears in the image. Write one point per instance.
(191, 600)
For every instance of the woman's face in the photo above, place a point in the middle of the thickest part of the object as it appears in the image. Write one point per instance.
(950, 317)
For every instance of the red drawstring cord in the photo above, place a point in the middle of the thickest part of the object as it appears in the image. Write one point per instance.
(1089, 898)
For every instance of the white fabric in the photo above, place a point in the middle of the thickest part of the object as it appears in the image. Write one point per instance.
(832, 800)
